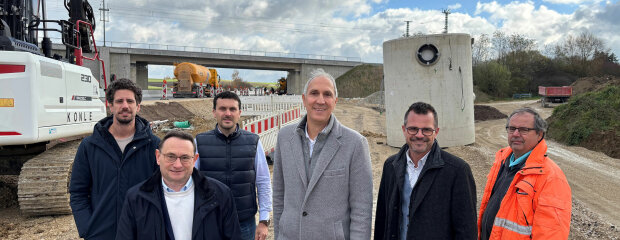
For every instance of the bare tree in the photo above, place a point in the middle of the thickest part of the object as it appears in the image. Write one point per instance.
(500, 44)
(481, 49)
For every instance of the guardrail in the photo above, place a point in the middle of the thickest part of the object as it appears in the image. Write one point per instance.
(521, 95)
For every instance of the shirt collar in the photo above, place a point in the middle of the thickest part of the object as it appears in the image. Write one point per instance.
(218, 129)
(519, 160)
(303, 126)
(188, 184)
(420, 163)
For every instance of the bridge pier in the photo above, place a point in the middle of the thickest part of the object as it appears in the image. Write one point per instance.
(142, 75)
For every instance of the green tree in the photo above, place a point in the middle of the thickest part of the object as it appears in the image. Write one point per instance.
(492, 78)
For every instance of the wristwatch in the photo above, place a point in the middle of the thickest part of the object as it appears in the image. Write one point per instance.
(266, 222)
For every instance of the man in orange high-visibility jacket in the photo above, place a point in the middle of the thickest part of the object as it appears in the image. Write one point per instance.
(526, 195)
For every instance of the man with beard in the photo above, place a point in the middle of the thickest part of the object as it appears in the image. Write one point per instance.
(119, 154)
(236, 158)
(526, 194)
(322, 177)
(425, 192)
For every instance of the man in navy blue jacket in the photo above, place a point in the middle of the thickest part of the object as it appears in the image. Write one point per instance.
(118, 155)
(178, 202)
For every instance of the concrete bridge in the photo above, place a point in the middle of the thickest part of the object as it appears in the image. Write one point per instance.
(127, 62)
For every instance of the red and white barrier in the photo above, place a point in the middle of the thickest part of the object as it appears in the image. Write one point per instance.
(267, 127)
(164, 92)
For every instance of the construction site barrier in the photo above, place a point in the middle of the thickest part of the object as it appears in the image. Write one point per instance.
(265, 105)
(164, 92)
(267, 127)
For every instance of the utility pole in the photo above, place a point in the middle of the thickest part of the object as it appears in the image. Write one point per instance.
(103, 16)
(407, 32)
(446, 12)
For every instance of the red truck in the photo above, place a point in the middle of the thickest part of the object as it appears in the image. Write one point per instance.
(554, 94)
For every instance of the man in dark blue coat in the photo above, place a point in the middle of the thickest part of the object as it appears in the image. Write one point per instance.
(118, 155)
(425, 192)
(178, 202)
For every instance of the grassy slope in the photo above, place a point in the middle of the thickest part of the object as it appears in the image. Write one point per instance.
(586, 115)
(360, 81)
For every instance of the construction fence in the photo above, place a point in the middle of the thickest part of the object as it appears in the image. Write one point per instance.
(271, 113)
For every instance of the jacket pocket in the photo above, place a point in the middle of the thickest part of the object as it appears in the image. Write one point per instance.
(335, 172)
(525, 200)
(338, 231)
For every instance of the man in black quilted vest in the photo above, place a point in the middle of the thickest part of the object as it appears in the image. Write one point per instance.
(236, 158)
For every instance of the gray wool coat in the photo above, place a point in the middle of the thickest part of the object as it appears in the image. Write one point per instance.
(337, 201)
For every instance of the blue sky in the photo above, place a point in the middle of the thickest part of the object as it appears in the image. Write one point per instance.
(351, 28)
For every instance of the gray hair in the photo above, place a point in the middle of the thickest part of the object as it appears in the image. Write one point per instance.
(539, 123)
(319, 72)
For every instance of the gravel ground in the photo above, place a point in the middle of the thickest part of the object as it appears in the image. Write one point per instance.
(593, 176)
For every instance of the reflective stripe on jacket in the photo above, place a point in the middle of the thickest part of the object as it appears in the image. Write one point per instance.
(537, 204)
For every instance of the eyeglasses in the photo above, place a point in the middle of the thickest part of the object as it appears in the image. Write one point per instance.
(171, 158)
(522, 130)
(425, 131)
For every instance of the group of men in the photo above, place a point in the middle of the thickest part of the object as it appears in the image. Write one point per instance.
(127, 184)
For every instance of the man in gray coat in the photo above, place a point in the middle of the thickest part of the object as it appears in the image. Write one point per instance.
(322, 178)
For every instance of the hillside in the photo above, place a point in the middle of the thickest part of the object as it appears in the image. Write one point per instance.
(360, 81)
(590, 120)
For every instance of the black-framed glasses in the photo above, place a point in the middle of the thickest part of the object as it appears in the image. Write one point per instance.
(425, 131)
(522, 130)
(171, 158)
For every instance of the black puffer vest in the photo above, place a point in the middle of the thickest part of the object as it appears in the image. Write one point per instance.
(231, 161)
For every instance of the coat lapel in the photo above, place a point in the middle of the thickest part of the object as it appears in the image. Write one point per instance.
(295, 150)
(332, 144)
(427, 176)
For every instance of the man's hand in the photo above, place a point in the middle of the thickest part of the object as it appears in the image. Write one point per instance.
(261, 231)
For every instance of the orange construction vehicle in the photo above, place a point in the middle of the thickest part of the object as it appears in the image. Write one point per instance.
(190, 76)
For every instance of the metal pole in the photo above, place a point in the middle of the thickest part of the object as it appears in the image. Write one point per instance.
(103, 12)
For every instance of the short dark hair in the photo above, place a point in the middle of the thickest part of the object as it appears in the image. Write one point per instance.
(125, 84)
(422, 108)
(177, 134)
(539, 123)
(226, 95)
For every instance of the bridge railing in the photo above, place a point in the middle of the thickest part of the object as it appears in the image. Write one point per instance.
(171, 47)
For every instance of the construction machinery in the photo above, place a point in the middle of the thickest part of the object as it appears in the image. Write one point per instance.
(551, 95)
(191, 78)
(44, 97)
(282, 86)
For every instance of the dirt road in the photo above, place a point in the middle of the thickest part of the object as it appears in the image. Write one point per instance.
(594, 177)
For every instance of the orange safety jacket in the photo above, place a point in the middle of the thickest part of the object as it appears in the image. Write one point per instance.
(537, 204)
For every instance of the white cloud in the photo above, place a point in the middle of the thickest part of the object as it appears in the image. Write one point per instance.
(454, 6)
(337, 28)
(570, 1)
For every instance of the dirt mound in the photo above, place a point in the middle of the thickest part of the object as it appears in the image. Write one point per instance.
(375, 98)
(589, 84)
(366, 133)
(483, 113)
(163, 111)
(589, 120)
(604, 141)
(360, 81)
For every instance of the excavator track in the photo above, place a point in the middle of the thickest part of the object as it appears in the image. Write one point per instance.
(43, 186)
